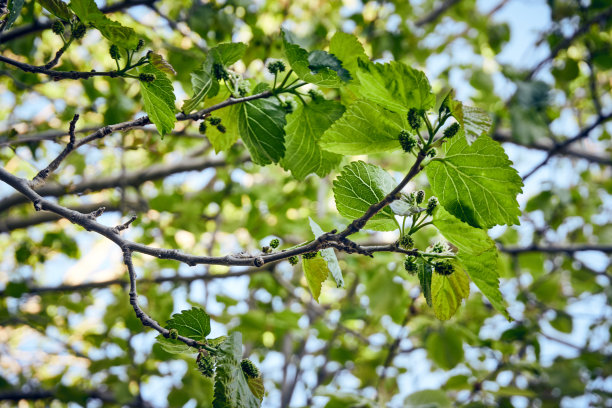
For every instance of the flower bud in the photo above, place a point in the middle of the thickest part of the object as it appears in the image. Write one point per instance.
(406, 242)
(79, 31)
(293, 260)
(420, 196)
(249, 369)
(444, 268)
(452, 130)
(414, 119)
(58, 27)
(144, 77)
(432, 203)
(410, 265)
(275, 243)
(407, 141)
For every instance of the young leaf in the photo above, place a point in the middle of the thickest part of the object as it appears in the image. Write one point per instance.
(298, 59)
(445, 348)
(14, 11)
(448, 291)
(427, 399)
(87, 11)
(173, 346)
(319, 60)
(261, 123)
(227, 53)
(477, 255)
(360, 185)
(231, 387)
(474, 122)
(329, 255)
(193, 323)
(476, 183)
(203, 84)
(160, 63)
(424, 272)
(364, 128)
(316, 272)
(304, 128)
(348, 49)
(395, 85)
(158, 98)
(56, 7)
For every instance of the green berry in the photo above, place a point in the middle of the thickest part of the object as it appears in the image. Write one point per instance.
(410, 265)
(439, 248)
(406, 242)
(58, 27)
(79, 31)
(444, 268)
(275, 243)
(293, 260)
(310, 255)
(276, 67)
(451, 130)
(432, 203)
(219, 71)
(114, 52)
(249, 369)
(144, 77)
(206, 365)
(202, 127)
(173, 334)
(432, 153)
(214, 120)
(420, 196)
(407, 141)
(221, 128)
(414, 119)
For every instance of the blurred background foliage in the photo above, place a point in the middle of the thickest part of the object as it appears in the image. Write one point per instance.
(69, 337)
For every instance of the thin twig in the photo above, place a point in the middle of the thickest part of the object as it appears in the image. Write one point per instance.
(40, 178)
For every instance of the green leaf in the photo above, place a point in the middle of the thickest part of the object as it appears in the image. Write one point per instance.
(256, 386)
(445, 348)
(158, 98)
(56, 7)
(562, 322)
(448, 291)
(348, 49)
(261, 123)
(395, 85)
(474, 122)
(303, 131)
(203, 84)
(320, 60)
(329, 255)
(14, 12)
(476, 183)
(193, 323)
(227, 53)
(160, 63)
(424, 272)
(427, 399)
(231, 387)
(229, 118)
(298, 60)
(173, 346)
(88, 13)
(360, 185)
(364, 128)
(316, 272)
(477, 255)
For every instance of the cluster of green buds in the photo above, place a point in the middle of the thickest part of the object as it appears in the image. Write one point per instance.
(275, 243)
(293, 260)
(276, 67)
(444, 268)
(173, 334)
(432, 153)
(139, 45)
(410, 264)
(407, 141)
(432, 204)
(214, 121)
(406, 242)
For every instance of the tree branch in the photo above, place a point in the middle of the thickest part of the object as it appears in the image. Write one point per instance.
(552, 249)
(436, 13)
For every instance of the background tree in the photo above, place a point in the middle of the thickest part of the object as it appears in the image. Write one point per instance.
(76, 85)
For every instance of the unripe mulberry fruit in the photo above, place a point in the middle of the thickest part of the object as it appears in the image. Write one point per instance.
(275, 243)
(420, 196)
(206, 365)
(406, 242)
(444, 268)
(410, 265)
(58, 27)
(276, 67)
(114, 52)
(249, 369)
(221, 128)
(202, 127)
(310, 255)
(452, 130)
(214, 121)
(293, 260)
(173, 334)
(407, 141)
(432, 203)
(79, 31)
(144, 77)
(414, 119)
